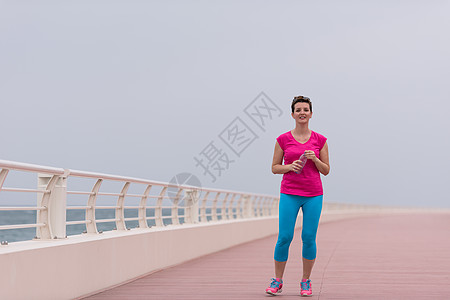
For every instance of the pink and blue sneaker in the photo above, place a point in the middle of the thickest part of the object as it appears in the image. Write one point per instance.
(305, 288)
(275, 286)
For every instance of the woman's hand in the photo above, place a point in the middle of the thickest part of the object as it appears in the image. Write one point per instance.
(295, 166)
(322, 164)
(311, 155)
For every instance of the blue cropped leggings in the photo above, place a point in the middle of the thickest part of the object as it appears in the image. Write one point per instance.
(288, 210)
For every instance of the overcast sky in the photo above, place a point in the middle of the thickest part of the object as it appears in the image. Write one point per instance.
(144, 88)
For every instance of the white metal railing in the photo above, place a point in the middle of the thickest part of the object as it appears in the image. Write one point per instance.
(167, 203)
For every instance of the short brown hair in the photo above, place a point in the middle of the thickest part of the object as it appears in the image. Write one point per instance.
(301, 99)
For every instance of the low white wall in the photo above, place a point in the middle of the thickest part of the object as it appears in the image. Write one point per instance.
(82, 265)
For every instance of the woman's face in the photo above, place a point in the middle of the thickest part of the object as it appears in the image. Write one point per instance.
(301, 113)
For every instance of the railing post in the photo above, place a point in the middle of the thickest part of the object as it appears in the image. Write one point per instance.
(258, 205)
(191, 202)
(230, 208)
(158, 209)
(203, 217)
(55, 202)
(120, 210)
(214, 208)
(3, 174)
(175, 201)
(143, 208)
(240, 207)
(275, 206)
(248, 207)
(265, 207)
(223, 210)
(91, 226)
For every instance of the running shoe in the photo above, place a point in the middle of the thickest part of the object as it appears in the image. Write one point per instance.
(305, 288)
(275, 286)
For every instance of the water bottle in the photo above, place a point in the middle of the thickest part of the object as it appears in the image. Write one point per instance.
(303, 160)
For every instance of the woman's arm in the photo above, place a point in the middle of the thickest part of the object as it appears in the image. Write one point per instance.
(278, 167)
(322, 164)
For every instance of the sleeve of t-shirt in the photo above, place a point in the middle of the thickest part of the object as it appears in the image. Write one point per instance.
(280, 141)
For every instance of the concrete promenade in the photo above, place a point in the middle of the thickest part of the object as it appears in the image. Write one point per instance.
(398, 256)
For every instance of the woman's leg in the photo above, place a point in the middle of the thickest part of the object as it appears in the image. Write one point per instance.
(308, 265)
(288, 210)
(311, 215)
(279, 268)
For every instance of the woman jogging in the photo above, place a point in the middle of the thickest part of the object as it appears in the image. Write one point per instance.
(305, 155)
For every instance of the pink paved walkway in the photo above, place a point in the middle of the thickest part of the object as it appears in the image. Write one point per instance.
(384, 257)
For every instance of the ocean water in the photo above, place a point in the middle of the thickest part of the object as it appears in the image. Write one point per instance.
(29, 217)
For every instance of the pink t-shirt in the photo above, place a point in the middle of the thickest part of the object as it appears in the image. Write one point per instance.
(308, 182)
